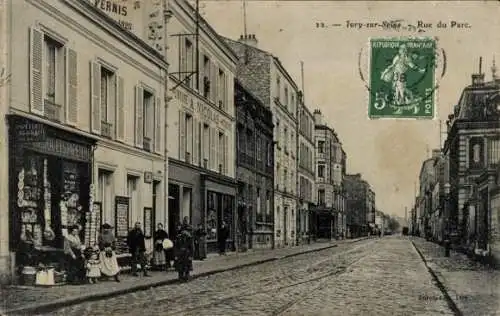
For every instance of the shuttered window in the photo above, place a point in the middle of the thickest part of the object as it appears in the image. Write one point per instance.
(95, 91)
(53, 79)
(182, 135)
(139, 116)
(196, 142)
(158, 126)
(120, 109)
(213, 149)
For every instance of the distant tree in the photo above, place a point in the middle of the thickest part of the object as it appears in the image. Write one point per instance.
(393, 224)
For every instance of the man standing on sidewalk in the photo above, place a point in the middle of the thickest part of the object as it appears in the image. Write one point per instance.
(137, 247)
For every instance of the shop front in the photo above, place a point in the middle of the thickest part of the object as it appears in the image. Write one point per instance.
(220, 207)
(50, 178)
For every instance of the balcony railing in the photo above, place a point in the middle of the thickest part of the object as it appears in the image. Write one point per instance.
(106, 129)
(146, 143)
(52, 110)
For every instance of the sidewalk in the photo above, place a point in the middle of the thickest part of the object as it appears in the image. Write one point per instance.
(474, 288)
(25, 300)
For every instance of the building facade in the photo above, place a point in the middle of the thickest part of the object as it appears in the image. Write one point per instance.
(264, 75)
(306, 181)
(330, 162)
(473, 150)
(255, 169)
(71, 159)
(358, 205)
(201, 127)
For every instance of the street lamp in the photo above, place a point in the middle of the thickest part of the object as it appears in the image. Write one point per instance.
(447, 187)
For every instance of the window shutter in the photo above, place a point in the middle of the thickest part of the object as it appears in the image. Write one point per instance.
(120, 109)
(226, 151)
(217, 155)
(36, 75)
(95, 98)
(158, 129)
(196, 143)
(213, 151)
(139, 117)
(72, 87)
(182, 135)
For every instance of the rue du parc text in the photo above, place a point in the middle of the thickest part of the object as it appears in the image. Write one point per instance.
(398, 25)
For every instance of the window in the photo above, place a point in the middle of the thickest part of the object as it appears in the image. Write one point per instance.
(278, 88)
(53, 84)
(104, 193)
(221, 152)
(206, 77)
(259, 148)
(285, 178)
(269, 153)
(321, 197)
(189, 136)
(321, 146)
(292, 103)
(494, 151)
(321, 171)
(286, 97)
(277, 132)
(188, 62)
(268, 205)
(259, 210)
(222, 93)
(285, 139)
(206, 145)
(148, 116)
(241, 139)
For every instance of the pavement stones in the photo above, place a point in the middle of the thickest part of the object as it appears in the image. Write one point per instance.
(473, 287)
(18, 300)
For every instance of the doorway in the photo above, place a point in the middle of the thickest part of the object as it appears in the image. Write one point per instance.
(173, 209)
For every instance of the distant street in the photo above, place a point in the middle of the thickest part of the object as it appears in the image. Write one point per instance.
(372, 277)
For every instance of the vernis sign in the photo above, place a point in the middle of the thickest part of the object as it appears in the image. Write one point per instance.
(128, 13)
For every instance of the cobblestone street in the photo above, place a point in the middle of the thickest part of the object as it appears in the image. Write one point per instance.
(375, 276)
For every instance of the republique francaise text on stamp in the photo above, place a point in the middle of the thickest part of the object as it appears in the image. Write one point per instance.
(402, 78)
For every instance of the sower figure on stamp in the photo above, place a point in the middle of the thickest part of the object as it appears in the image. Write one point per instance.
(396, 73)
(137, 247)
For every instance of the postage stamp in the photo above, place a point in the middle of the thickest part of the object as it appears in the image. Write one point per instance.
(402, 78)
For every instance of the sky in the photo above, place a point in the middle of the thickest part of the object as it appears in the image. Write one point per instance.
(388, 153)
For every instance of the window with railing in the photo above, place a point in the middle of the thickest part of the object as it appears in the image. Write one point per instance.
(321, 146)
(321, 197)
(321, 171)
(52, 82)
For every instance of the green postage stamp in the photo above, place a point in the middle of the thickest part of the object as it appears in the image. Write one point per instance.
(402, 78)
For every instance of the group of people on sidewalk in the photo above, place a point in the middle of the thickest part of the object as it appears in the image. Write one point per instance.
(92, 263)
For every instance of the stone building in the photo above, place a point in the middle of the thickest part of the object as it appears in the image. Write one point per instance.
(427, 182)
(357, 204)
(255, 169)
(266, 78)
(329, 218)
(201, 127)
(473, 150)
(306, 182)
(71, 158)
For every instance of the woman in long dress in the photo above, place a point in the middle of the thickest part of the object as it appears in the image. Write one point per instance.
(107, 256)
(73, 248)
(159, 257)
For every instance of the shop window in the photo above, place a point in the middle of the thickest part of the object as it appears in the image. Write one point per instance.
(133, 195)
(148, 117)
(105, 193)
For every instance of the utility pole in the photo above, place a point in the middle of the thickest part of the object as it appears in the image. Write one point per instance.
(197, 42)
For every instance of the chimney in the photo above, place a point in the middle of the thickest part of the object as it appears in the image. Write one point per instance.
(478, 78)
(318, 117)
(249, 39)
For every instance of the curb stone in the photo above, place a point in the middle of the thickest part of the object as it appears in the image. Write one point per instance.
(58, 304)
(451, 303)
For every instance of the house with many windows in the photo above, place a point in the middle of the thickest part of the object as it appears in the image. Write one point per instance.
(264, 75)
(201, 126)
(255, 166)
(86, 114)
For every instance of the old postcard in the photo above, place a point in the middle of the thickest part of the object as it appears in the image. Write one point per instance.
(249, 157)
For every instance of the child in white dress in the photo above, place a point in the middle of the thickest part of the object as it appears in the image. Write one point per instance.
(93, 266)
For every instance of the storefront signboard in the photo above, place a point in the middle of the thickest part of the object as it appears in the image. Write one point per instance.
(148, 222)
(29, 132)
(121, 222)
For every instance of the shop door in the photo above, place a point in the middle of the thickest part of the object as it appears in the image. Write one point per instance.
(173, 209)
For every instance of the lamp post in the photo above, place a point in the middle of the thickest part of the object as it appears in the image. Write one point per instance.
(447, 219)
